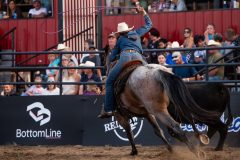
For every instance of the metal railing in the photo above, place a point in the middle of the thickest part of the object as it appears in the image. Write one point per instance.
(12, 33)
(236, 82)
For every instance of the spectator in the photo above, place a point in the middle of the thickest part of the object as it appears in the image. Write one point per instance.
(87, 43)
(186, 73)
(95, 58)
(215, 73)
(199, 42)
(52, 89)
(198, 59)
(188, 38)
(54, 62)
(234, 39)
(71, 76)
(169, 59)
(88, 75)
(163, 45)
(8, 90)
(92, 89)
(13, 12)
(209, 33)
(162, 5)
(66, 58)
(154, 7)
(112, 39)
(162, 61)
(2, 10)
(37, 89)
(188, 43)
(153, 44)
(38, 11)
(178, 5)
(218, 38)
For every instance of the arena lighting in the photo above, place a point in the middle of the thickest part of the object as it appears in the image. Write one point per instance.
(47, 133)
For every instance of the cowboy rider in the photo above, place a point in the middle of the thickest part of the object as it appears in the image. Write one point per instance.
(128, 48)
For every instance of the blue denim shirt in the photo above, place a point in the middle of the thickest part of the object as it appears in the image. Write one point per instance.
(132, 40)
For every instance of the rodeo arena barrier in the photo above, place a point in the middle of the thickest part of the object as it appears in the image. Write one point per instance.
(72, 120)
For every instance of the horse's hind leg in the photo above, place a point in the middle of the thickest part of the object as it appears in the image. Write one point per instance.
(158, 131)
(167, 120)
(123, 121)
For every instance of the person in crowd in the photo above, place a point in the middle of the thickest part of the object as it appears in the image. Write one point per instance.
(2, 10)
(95, 58)
(186, 73)
(209, 33)
(234, 39)
(218, 38)
(52, 89)
(162, 6)
(87, 43)
(215, 73)
(154, 7)
(128, 48)
(188, 38)
(88, 75)
(112, 40)
(66, 58)
(163, 45)
(162, 61)
(92, 89)
(53, 62)
(174, 45)
(178, 5)
(154, 36)
(38, 11)
(188, 43)
(13, 12)
(37, 89)
(71, 76)
(8, 90)
(199, 43)
(198, 59)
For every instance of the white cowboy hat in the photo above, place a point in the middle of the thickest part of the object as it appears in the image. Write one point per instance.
(175, 44)
(50, 79)
(213, 43)
(87, 64)
(123, 27)
(61, 47)
(176, 55)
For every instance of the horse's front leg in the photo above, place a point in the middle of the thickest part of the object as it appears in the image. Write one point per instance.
(124, 122)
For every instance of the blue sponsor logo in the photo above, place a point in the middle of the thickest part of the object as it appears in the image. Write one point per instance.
(235, 126)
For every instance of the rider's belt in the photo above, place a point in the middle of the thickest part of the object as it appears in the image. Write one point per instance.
(130, 50)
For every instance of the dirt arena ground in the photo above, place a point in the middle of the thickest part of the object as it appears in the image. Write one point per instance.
(109, 153)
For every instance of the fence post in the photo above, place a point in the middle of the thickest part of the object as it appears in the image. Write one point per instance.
(60, 74)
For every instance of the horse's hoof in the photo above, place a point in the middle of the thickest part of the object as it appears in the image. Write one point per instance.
(204, 139)
(134, 153)
(201, 155)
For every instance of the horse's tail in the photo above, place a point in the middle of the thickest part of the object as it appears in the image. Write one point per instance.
(230, 117)
(182, 100)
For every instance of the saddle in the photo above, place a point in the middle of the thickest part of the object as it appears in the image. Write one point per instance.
(122, 78)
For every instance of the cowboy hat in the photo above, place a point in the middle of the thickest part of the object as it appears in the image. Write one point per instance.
(87, 64)
(123, 27)
(176, 55)
(175, 44)
(61, 47)
(213, 43)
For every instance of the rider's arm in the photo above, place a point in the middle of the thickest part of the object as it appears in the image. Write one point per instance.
(148, 24)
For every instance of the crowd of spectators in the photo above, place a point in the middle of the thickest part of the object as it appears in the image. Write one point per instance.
(11, 10)
(80, 70)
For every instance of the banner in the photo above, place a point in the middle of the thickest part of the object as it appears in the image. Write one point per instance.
(72, 120)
